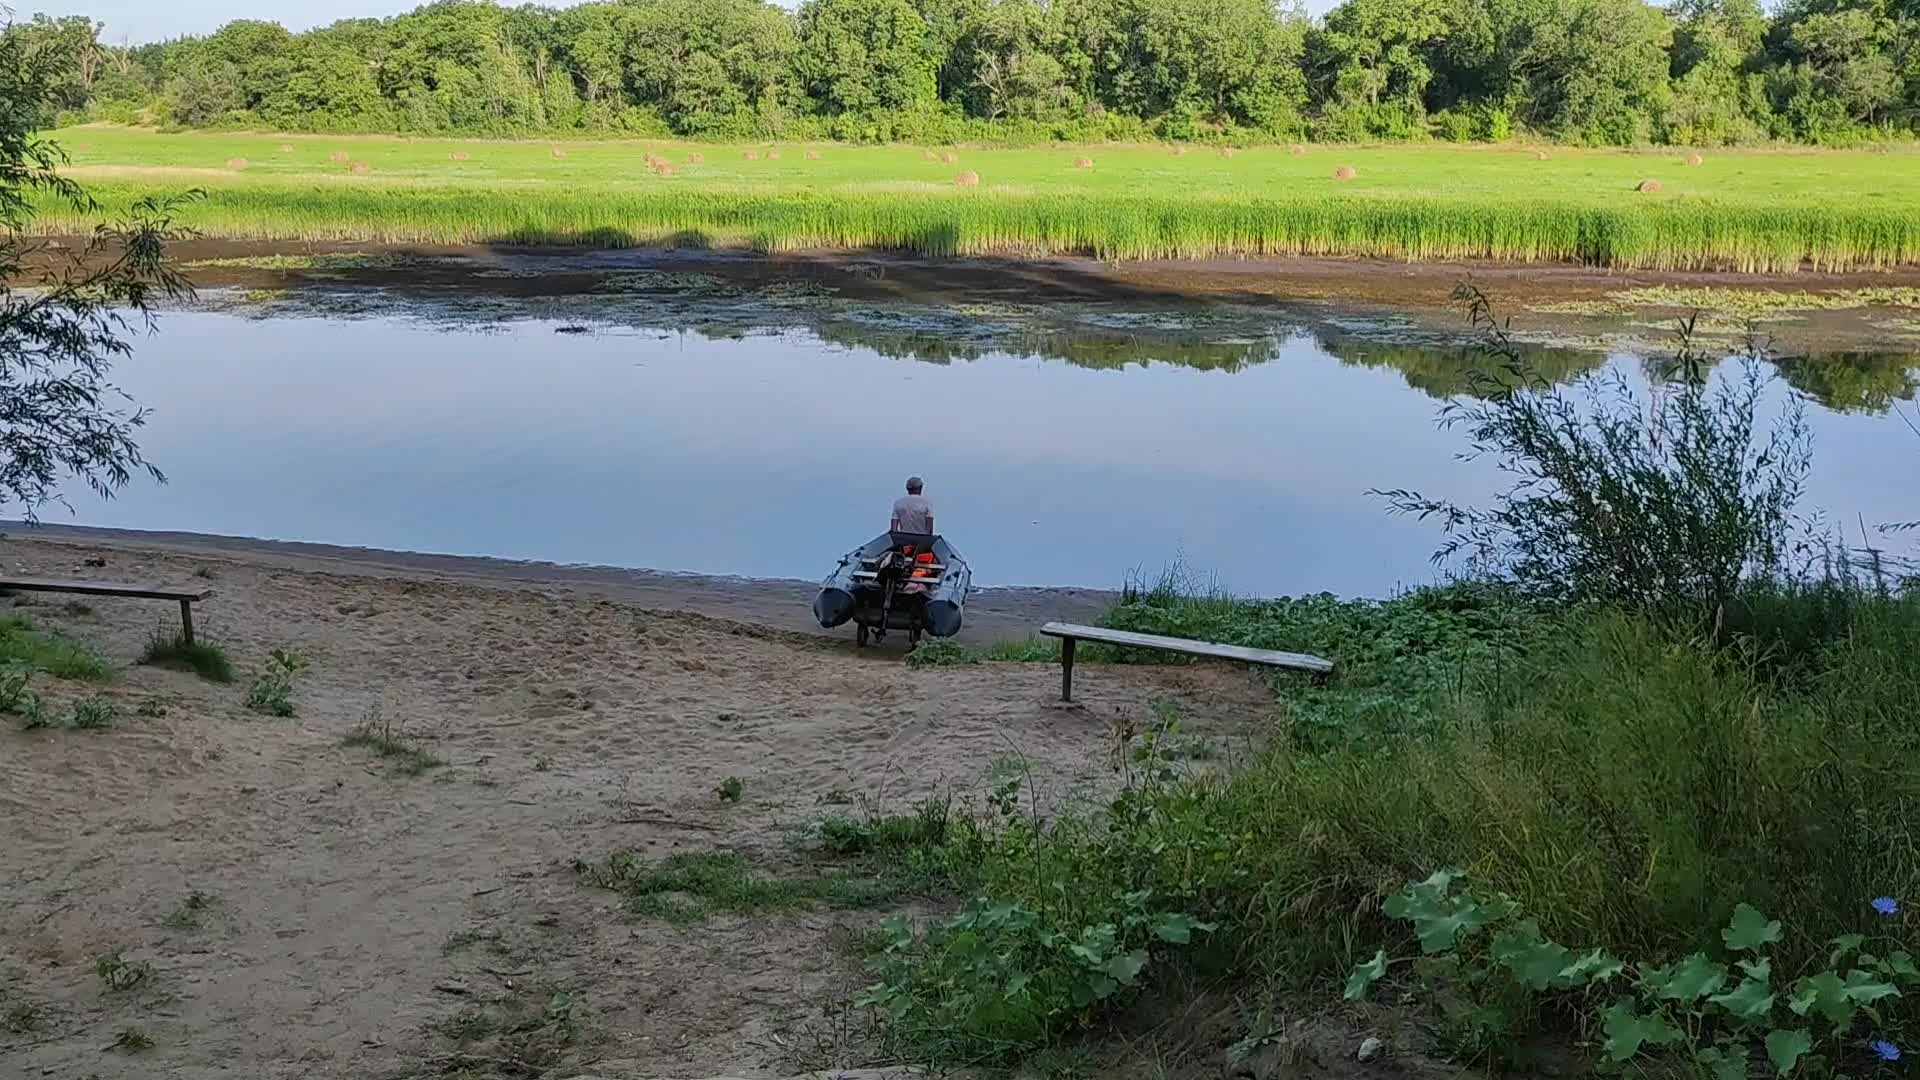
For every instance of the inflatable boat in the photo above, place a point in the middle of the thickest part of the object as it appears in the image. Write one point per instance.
(896, 581)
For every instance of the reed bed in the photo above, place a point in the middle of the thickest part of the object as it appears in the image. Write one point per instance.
(1751, 211)
(1641, 234)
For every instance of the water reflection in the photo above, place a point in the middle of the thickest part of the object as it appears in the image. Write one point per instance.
(1440, 362)
(762, 448)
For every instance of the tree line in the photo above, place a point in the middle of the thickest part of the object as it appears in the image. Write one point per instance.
(1604, 72)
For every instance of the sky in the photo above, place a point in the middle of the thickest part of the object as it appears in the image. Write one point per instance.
(140, 21)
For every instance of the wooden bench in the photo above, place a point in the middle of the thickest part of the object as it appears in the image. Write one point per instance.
(186, 597)
(1071, 633)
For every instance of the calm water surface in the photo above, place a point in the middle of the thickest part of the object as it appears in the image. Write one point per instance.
(772, 453)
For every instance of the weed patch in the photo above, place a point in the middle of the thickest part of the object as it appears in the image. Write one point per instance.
(871, 862)
(61, 657)
(169, 649)
(731, 790)
(271, 693)
(941, 653)
(21, 1019)
(525, 1033)
(191, 914)
(133, 1039)
(380, 735)
(119, 973)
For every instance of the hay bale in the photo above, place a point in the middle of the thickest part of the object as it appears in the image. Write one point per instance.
(285, 148)
(1229, 151)
(459, 155)
(663, 169)
(1297, 149)
(237, 163)
(1541, 155)
(1181, 151)
(339, 157)
(1345, 172)
(361, 168)
(1647, 186)
(773, 155)
(1083, 163)
(1696, 160)
(967, 179)
(950, 158)
(813, 155)
(558, 153)
(696, 159)
(751, 155)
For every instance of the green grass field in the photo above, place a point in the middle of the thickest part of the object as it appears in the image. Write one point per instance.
(1754, 210)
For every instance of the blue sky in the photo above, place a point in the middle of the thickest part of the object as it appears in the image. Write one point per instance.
(138, 21)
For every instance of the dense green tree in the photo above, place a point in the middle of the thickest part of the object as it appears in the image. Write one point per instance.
(861, 56)
(709, 66)
(1719, 92)
(1594, 71)
(61, 417)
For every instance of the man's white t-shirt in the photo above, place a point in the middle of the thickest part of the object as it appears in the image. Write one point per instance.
(913, 514)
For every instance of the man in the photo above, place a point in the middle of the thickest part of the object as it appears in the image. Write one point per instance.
(912, 513)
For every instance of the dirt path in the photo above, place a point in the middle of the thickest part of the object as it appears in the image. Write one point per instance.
(577, 717)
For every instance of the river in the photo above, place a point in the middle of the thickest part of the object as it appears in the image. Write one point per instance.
(716, 438)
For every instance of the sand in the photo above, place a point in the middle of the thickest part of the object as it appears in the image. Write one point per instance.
(576, 720)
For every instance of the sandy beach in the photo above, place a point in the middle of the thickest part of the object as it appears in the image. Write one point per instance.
(349, 910)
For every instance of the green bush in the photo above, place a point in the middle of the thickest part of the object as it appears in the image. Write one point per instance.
(271, 693)
(1664, 503)
(170, 649)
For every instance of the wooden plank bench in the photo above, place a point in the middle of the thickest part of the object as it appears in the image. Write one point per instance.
(186, 597)
(1072, 633)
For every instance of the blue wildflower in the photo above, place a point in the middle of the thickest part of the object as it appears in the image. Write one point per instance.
(1886, 1050)
(1886, 905)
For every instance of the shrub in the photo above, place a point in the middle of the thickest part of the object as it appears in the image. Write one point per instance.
(272, 691)
(169, 649)
(1665, 504)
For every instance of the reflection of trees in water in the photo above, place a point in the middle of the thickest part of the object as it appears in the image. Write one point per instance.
(1446, 373)
(1200, 339)
(1853, 382)
(1078, 346)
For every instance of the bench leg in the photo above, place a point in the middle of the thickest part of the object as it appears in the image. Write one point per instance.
(1066, 668)
(186, 621)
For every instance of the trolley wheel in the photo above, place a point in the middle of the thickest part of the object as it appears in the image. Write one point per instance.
(860, 637)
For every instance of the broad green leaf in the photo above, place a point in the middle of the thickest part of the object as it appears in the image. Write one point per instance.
(1750, 930)
(1751, 1000)
(1125, 968)
(1785, 1048)
(1695, 978)
(1532, 961)
(1843, 947)
(1863, 988)
(1439, 932)
(1901, 964)
(1365, 975)
(1761, 969)
(1423, 899)
(1178, 928)
(1823, 993)
(1596, 966)
(1723, 1064)
(1017, 983)
(1628, 1031)
(1654, 980)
